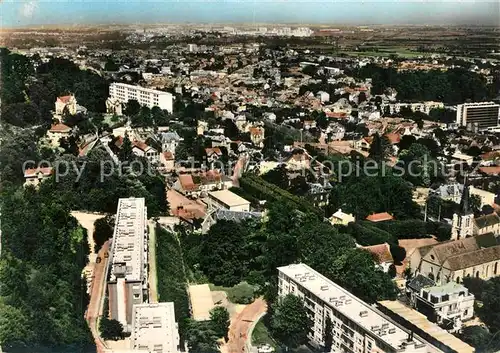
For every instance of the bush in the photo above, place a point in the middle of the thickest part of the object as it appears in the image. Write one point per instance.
(242, 293)
(366, 234)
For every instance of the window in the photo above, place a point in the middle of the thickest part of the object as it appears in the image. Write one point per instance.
(434, 299)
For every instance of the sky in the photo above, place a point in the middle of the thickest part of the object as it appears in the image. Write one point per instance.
(21, 13)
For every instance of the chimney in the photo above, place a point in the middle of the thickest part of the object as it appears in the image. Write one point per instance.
(410, 336)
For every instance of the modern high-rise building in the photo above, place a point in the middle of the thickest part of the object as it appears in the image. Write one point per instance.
(356, 327)
(478, 115)
(127, 282)
(154, 328)
(124, 92)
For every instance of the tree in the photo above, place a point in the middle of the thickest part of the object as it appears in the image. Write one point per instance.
(490, 311)
(475, 203)
(398, 253)
(110, 329)
(219, 316)
(477, 336)
(406, 142)
(201, 337)
(380, 148)
(290, 323)
(125, 153)
(278, 176)
(132, 108)
(475, 285)
(103, 230)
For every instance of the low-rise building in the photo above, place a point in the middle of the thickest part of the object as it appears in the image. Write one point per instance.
(341, 218)
(124, 92)
(380, 217)
(228, 200)
(34, 176)
(381, 254)
(447, 305)
(57, 132)
(154, 328)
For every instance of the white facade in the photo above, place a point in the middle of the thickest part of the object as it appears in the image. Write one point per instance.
(228, 200)
(154, 328)
(145, 96)
(481, 115)
(128, 261)
(356, 326)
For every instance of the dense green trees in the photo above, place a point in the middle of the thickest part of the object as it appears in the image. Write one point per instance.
(202, 337)
(110, 329)
(43, 295)
(490, 312)
(219, 316)
(452, 86)
(103, 230)
(290, 322)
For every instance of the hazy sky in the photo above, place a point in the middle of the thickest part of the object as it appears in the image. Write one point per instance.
(34, 12)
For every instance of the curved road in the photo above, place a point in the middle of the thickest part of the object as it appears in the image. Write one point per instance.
(240, 324)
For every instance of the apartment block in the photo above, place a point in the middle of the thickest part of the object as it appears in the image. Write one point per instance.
(356, 326)
(478, 115)
(145, 96)
(127, 282)
(154, 328)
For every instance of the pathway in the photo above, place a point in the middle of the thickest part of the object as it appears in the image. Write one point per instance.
(94, 310)
(152, 277)
(240, 326)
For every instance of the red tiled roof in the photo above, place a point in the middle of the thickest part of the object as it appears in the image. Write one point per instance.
(381, 252)
(494, 170)
(336, 115)
(140, 145)
(210, 151)
(379, 217)
(187, 183)
(33, 172)
(393, 138)
(256, 131)
(59, 127)
(64, 99)
(491, 155)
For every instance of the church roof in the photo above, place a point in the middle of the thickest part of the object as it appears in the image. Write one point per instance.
(487, 220)
(464, 202)
(473, 258)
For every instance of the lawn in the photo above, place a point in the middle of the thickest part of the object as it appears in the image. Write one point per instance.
(260, 335)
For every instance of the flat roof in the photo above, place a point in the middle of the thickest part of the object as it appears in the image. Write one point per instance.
(154, 328)
(144, 89)
(349, 305)
(428, 327)
(228, 198)
(448, 288)
(129, 239)
(201, 301)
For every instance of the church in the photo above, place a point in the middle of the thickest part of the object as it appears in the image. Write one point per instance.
(473, 251)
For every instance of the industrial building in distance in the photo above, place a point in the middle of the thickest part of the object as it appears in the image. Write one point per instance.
(476, 116)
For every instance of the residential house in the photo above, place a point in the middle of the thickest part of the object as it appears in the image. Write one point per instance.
(140, 149)
(34, 176)
(323, 96)
(66, 103)
(58, 131)
(170, 141)
(318, 194)
(114, 106)
(363, 144)
(381, 255)
(487, 224)
(199, 184)
(213, 154)
(341, 218)
(257, 136)
(167, 160)
(380, 217)
(447, 305)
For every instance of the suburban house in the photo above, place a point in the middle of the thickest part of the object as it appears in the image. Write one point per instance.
(67, 103)
(196, 185)
(341, 218)
(487, 224)
(170, 141)
(57, 132)
(477, 256)
(140, 149)
(380, 217)
(381, 255)
(34, 176)
(257, 136)
(213, 153)
(167, 161)
(447, 305)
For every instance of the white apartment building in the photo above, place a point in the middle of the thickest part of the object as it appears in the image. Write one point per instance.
(124, 92)
(127, 283)
(478, 115)
(228, 200)
(356, 326)
(154, 328)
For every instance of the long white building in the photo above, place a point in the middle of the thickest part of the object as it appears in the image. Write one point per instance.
(154, 328)
(128, 280)
(124, 92)
(356, 326)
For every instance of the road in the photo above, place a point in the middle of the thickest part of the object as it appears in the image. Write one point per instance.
(240, 325)
(94, 310)
(153, 279)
